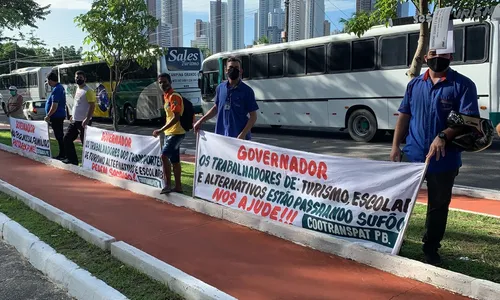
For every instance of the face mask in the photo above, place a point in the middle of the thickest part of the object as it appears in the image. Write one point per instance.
(233, 73)
(80, 81)
(13, 93)
(438, 64)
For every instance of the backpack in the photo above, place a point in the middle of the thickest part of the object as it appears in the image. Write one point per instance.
(187, 117)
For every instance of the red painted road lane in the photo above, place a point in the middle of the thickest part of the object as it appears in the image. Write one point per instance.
(245, 263)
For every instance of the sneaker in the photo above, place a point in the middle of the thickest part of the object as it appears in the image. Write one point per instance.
(165, 190)
(59, 158)
(68, 162)
(433, 258)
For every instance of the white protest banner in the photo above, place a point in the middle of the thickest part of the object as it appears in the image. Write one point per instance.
(127, 156)
(30, 136)
(439, 29)
(363, 201)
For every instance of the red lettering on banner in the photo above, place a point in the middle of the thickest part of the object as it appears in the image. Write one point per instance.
(99, 168)
(23, 146)
(123, 175)
(294, 164)
(227, 197)
(25, 126)
(116, 139)
(265, 209)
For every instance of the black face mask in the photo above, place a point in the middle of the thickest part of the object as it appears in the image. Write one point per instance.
(438, 64)
(233, 73)
(80, 81)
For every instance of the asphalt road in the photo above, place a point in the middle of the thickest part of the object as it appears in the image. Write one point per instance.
(20, 280)
(480, 169)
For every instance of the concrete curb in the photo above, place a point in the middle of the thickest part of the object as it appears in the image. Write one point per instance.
(82, 229)
(180, 282)
(400, 266)
(63, 272)
(175, 279)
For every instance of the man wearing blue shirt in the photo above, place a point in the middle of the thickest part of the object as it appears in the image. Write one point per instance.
(428, 100)
(235, 105)
(55, 109)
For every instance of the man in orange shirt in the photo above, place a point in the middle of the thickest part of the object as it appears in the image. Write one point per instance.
(174, 134)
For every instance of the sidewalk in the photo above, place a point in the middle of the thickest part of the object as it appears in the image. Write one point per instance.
(244, 263)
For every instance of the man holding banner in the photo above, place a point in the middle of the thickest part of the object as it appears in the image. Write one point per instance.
(428, 100)
(234, 102)
(174, 134)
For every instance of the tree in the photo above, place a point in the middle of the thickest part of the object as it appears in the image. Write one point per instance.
(386, 9)
(15, 14)
(117, 31)
(206, 52)
(261, 40)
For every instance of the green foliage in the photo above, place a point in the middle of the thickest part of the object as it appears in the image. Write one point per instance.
(117, 31)
(386, 9)
(261, 40)
(206, 52)
(19, 13)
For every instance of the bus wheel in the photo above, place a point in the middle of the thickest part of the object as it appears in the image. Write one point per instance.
(129, 115)
(362, 125)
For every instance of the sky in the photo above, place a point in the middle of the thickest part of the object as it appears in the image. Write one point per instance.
(59, 28)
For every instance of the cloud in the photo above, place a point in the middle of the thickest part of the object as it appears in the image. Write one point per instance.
(203, 6)
(66, 4)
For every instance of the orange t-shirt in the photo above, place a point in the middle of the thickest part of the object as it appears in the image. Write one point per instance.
(173, 104)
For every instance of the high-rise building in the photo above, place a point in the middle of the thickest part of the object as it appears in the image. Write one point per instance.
(256, 26)
(218, 21)
(365, 5)
(314, 18)
(326, 27)
(201, 28)
(276, 24)
(296, 20)
(265, 7)
(200, 42)
(403, 9)
(236, 22)
(171, 13)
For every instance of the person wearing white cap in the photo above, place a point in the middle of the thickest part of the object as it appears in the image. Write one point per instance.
(15, 104)
(423, 113)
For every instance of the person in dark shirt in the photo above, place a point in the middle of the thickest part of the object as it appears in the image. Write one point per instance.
(428, 100)
(55, 109)
(235, 105)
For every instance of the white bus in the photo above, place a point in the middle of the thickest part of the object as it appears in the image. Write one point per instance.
(342, 81)
(30, 83)
(139, 96)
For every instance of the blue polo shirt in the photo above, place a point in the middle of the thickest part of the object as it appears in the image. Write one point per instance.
(429, 106)
(233, 106)
(58, 95)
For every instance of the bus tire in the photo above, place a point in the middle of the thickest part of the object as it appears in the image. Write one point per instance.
(129, 115)
(362, 126)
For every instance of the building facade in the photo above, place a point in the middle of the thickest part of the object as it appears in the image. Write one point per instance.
(236, 22)
(218, 22)
(314, 18)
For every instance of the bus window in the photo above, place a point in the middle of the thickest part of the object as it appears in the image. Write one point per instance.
(458, 39)
(412, 46)
(363, 55)
(276, 64)
(315, 59)
(392, 51)
(296, 62)
(476, 49)
(339, 57)
(258, 68)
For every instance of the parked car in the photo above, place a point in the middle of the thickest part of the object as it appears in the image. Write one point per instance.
(34, 109)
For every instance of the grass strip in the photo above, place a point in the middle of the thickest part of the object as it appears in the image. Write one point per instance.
(471, 244)
(100, 263)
